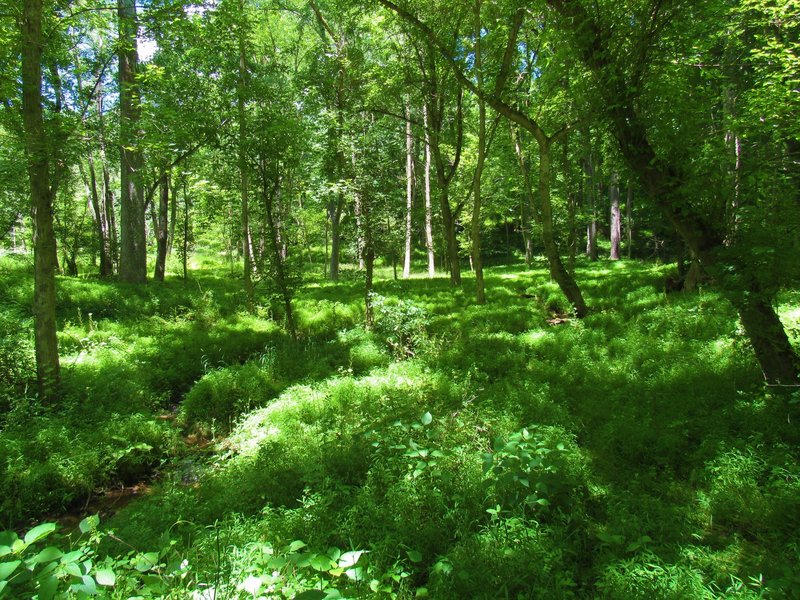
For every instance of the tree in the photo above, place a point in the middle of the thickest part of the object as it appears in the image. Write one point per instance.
(133, 244)
(668, 180)
(43, 189)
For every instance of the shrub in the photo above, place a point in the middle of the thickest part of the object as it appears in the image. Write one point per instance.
(224, 394)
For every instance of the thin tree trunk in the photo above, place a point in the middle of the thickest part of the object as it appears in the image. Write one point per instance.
(173, 215)
(428, 211)
(101, 221)
(629, 219)
(278, 260)
(185, 254)
(44, 241)
(572, 209)
(477, 259)
(409, 192)
(133, 250)
(162, 228)
(243, 175)
(616, 217)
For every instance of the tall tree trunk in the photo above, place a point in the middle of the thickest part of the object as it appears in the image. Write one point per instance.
(591, 203)
(562, 277)
(616, 217)
(629, 219)
(162, 230)
(173, 215)
(449, 226)
(185, 253)
(278, 259)
(335, 207)
(44, 241)
(428, 211)
(477, 259)
(133, 250)
(243, 174)
(572, 209)
(525, 228)
(409, 192)
(101, 221)
(543, 212)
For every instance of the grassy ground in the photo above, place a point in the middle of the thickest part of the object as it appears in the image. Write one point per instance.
(456, 451)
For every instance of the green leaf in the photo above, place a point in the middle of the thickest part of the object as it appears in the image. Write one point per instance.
(7, 538)
(3, 585)
(5, 550)
(47, 587)
(89, 523)
(414, 556)
(311, 595)
(296, 545)
(87, 586)
(39, 532)
(106, 577)
(49, 554)
(321, 562)
(422, 592)
(8, 568)
(427, 418)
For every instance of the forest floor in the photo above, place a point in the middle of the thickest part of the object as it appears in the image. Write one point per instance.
(456, 451)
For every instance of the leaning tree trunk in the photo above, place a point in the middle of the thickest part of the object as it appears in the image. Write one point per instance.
(665, 183)
(543, 211)
(133, 247)
(44, 241)
(561, 276)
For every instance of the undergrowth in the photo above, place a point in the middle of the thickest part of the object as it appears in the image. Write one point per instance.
(454, 451)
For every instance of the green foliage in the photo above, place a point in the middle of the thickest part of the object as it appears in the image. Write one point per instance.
(223, 394)
(401, 324)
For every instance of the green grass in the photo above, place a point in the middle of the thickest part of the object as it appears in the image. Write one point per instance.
(661, 467)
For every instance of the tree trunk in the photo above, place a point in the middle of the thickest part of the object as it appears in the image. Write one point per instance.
(629, 219)
(243, 175)
(665, 183)
(173, 216)
(428, 211)
(477, 259)
(616, 217)
(278, 260)
(101, 221)
(449, 225)
(557, 270)
(162, 230)
(44, 241)
(544, 215)
(409, 192)
(133, 250)
(185, 253)
(767, 335)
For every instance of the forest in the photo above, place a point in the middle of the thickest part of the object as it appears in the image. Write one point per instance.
(328, 299)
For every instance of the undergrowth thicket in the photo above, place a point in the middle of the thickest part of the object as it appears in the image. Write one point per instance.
(456, 451)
